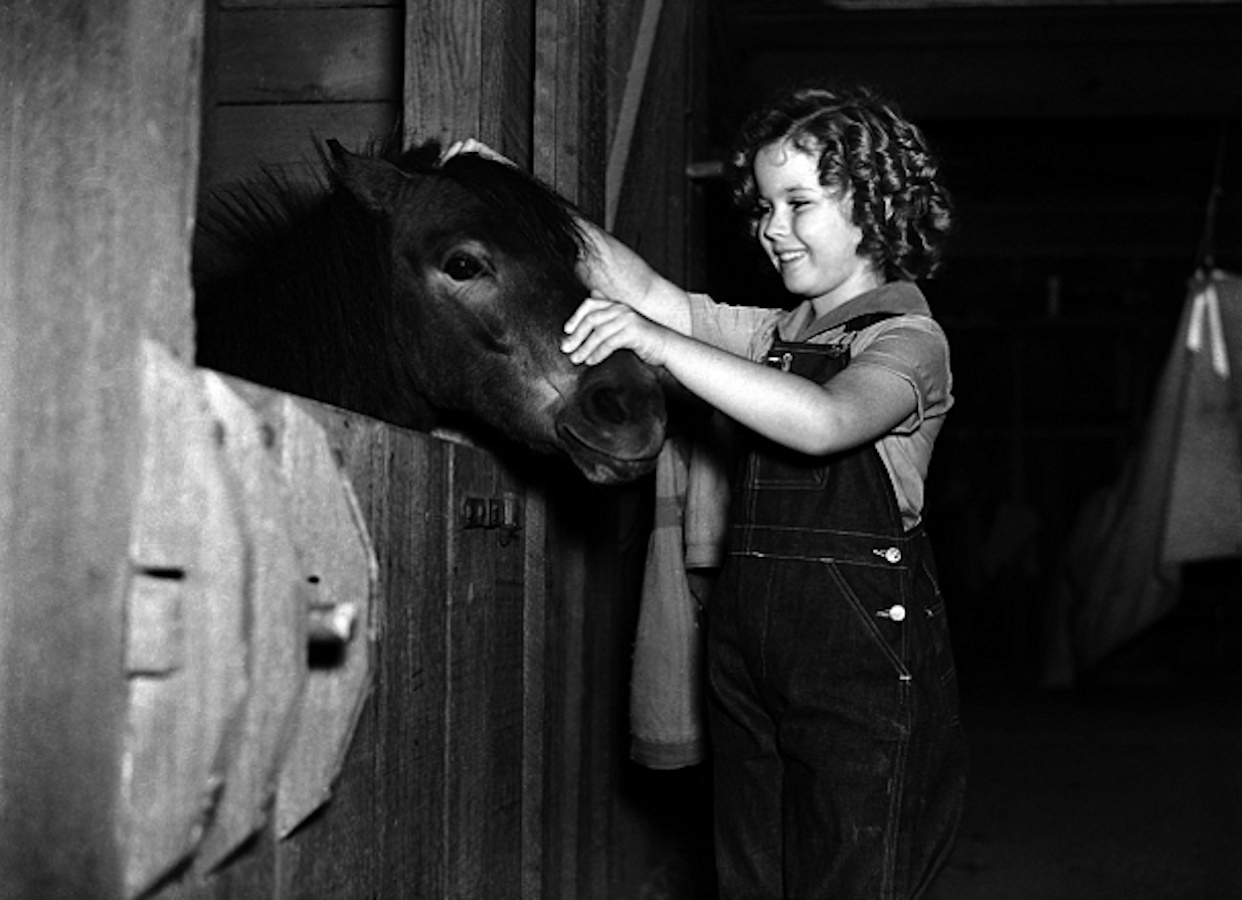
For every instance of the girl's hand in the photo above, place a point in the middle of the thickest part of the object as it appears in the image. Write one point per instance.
(472, 145)
(600, 326)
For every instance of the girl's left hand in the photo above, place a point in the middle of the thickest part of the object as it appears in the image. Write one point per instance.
(600, 326)
(474, 145)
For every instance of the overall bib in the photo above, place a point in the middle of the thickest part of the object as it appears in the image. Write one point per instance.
(840, 759)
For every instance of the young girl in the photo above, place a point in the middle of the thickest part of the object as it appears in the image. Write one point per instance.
(839, 760)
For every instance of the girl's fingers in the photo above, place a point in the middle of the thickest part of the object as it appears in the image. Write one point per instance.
(591, 336)
(585, 308)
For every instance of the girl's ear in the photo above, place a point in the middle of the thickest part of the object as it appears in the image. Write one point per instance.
(376, 184)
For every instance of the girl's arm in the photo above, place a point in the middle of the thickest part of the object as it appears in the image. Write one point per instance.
(615, 271)
(856, 407)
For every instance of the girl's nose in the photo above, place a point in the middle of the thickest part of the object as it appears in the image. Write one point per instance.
(775, 225)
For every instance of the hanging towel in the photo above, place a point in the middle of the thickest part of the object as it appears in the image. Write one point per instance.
(666, 687)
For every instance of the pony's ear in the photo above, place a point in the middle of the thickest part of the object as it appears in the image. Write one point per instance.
(374, 182)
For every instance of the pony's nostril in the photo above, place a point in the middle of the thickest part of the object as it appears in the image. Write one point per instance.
(608, 405)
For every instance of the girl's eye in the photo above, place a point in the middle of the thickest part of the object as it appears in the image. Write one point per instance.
(463, 267)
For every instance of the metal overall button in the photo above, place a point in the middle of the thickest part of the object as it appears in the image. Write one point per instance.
(896, 612)
(888, 554)
(784, 361)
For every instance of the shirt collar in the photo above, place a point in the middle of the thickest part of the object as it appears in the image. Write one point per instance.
(900, 297)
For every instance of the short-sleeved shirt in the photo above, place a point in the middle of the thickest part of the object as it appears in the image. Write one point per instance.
(910, 344)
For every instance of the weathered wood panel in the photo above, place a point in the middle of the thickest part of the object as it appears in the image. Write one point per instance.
(243, 139)
(301, 4)
(489, 758)
(280, 75)
(468, 73)
(308, 55)
(97, 159)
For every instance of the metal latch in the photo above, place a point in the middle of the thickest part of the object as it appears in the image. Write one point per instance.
(503, 512)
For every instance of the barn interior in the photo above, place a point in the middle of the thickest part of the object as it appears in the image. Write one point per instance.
(1093, 151)
(1095, 158)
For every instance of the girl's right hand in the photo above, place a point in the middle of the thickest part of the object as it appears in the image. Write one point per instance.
(599, 327)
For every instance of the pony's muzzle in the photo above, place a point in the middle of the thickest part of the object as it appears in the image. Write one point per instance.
(614, 428)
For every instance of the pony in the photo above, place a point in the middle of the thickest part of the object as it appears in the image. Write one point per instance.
(423, 294)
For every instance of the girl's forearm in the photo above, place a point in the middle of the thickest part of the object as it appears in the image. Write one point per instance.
(857, 406)
(785, 408)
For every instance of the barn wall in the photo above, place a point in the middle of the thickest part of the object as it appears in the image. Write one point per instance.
(519, 716)
(278, 73)
(98, 151)
(488, 758)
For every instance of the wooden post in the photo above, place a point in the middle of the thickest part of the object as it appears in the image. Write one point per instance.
(98, 146)
(467, 73)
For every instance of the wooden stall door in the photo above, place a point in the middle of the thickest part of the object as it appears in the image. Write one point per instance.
(433, 798)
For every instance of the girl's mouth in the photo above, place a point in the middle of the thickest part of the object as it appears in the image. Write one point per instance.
(788, 257)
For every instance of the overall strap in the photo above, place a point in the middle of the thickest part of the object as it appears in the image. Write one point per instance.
(820, 361)
(866, 320)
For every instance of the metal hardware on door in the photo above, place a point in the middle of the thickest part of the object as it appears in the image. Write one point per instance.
(504, 513)
(340, 571)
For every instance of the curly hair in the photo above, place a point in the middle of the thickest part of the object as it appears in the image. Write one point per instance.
(870, 152)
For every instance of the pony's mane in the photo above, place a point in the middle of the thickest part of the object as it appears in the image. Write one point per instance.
(292, 292)
(531, 213)
(240, 219)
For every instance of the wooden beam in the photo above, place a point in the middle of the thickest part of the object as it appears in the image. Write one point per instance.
(631, 102)
(308, 55)
(98, 152)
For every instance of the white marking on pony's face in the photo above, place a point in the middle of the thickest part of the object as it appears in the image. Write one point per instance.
(555, 388)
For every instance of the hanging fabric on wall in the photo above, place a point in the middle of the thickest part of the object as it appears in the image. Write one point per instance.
(1204, 515)
(1178, 499)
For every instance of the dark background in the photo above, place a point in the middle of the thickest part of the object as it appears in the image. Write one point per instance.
(1082, 143)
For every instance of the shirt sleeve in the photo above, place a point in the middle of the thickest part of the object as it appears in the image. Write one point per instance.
(740, 330)
(915, 348)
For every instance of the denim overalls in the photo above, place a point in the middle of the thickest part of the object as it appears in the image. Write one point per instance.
(840, 759)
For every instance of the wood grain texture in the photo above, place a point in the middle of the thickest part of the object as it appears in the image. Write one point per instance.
(304, 55)
(97, 166)
(245, 139)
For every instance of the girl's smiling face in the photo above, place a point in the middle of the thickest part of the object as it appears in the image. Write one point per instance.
(806, 229)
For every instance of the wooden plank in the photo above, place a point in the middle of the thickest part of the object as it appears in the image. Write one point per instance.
(566, 677)
(535, 652)
(484, 701)
(305, 4)
(308, 55)
(336, 852)
(444, 59)
(467, 72)
(97, 162)
(652, 205)
(244, 138)
(627, 119)
(410, 704)
(569, 147)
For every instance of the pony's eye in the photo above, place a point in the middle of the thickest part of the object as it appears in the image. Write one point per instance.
(463, 267)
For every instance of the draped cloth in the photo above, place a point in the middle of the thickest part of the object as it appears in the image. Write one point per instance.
(1178, 499)
(666, 687)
